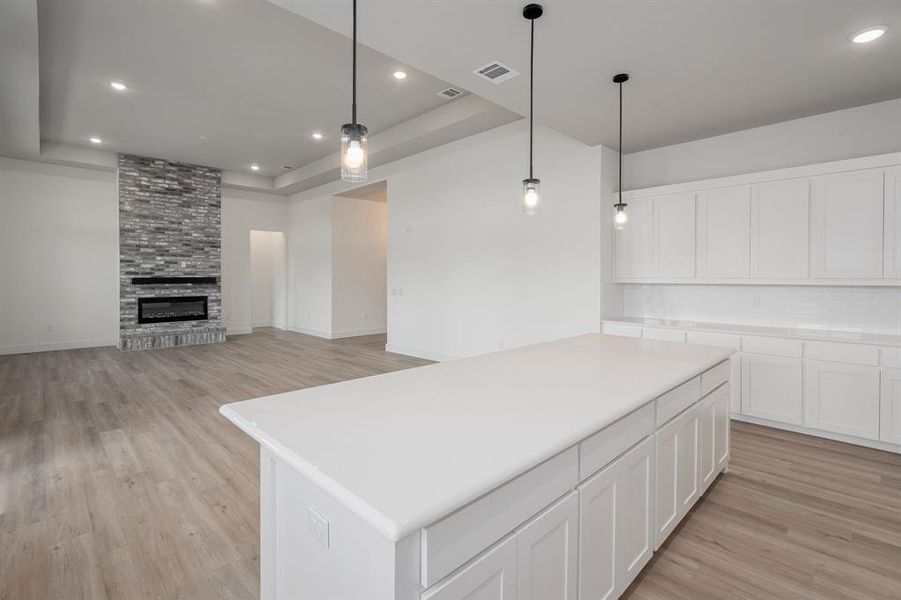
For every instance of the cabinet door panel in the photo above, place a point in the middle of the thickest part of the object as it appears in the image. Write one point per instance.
(848, 225)
(547, 551)
(890, 402)
(687, 479)
(674, 233)
(724, 232)
(893, 223)
(780, 226)
(723, 425)
(676, 471)
(635, 517)
(771, 387)
(706, 443)
(635, 243)
(843, 398)
(598, 504)
(489, 577)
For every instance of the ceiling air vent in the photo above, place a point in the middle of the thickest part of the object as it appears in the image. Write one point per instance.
(496, 72)
(450, 93)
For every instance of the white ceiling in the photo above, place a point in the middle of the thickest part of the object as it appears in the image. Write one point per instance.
(699, 67)
(252, 79)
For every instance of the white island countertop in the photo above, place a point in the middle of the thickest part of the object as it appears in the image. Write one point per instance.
(403, 449)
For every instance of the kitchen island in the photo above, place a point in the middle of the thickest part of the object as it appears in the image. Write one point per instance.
(548, 471)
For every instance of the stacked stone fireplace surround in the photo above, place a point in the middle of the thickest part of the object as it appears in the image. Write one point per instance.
(169, 226)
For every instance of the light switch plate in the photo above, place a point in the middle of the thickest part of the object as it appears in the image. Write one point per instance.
(318, 525)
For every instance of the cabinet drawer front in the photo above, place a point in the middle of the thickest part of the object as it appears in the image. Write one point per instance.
(666, 335)
(676, 400)
(621, 330)
(715, 339)
(847, 353)
(452, 541)
(713, 378)
(771, 346)
(890, 357)
(600, 449)
(492, 574)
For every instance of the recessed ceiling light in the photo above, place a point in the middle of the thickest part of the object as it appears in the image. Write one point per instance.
(254, 167)
(118, 86)
(317, 135)
(868, 35)
(400, 75)
(96, 140)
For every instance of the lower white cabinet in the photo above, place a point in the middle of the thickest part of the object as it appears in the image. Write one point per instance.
(771, 387)
(547, 551)
(616, 524)
(843, 398)
(677, 471)
(491, 576)
(713, 435)
(890, 421)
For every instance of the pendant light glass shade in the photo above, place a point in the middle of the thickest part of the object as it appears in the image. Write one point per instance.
(531, 196)
(620, 217)
(354, 153)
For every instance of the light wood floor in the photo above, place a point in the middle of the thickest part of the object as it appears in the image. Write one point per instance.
(119, 479)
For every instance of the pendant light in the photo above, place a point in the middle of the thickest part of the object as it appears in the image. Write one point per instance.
(620, 218)
(354, 154)
(531, 187)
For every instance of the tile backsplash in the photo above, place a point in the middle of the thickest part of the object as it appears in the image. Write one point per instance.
(859, 309)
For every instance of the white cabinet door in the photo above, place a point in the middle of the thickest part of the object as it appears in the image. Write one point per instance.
(635, 243)
(674, 236)
(547, 553)
(491, 576)
(724, 232)
(713, 435)
(676, 472)
(843, 398)
(780, 226)
(848, 225)
(771, 387)
(635, 519)
(893, 223)
(890, 402)
(597, 535)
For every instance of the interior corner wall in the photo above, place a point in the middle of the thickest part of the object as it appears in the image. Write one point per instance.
(468, 273)
(243, 211)
(59, 257)
(860, 131)
(359, 293)
(310, 258)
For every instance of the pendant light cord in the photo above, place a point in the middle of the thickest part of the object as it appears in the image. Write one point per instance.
(531, 93)
(354, 85)
(620, 185)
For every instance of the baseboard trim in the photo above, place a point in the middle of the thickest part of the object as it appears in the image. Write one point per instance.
(836, 437)
(54, 346)
(419, 353)
(348, 333)
(307, 331)
(238, 330)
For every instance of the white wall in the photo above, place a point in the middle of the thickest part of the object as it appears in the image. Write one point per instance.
(59, 257)
(359, 239)
(268, 276)
(469, 273)
(310, 267)
(243, 211)
(860, 131)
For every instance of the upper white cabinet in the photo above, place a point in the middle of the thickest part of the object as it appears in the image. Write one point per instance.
(724, 244)
(780, 225)
(848, 225)
(635, 243)
(674, 236)
(893, 223)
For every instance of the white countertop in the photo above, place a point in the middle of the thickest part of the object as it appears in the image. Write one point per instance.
(823, 335)
(403, 449)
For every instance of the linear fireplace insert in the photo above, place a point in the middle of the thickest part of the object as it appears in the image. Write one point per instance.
(166, 309)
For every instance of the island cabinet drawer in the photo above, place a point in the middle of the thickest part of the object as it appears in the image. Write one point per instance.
(678, 399)
(457, 538)
(856, 354)
(713, 378)
(599, 450)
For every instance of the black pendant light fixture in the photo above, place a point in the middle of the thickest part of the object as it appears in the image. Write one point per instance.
(620, 218)
(354, 154)
(531, 187)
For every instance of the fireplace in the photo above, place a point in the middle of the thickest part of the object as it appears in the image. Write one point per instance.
(166, 309)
